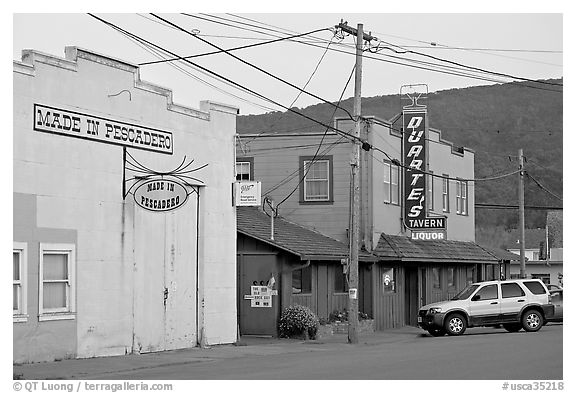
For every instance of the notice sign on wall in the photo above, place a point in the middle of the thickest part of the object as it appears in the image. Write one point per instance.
(99, 129)
(247, 193)
(260, 296)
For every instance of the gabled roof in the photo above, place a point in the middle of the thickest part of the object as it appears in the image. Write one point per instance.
(405, 249)
(293, 238)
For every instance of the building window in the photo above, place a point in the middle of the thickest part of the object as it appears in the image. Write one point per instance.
(57, 290)
(430, 192)
(445, 194)
(340, 281)
(391, 187)
(545, 278)
(462, 198)
(245, 169)
(19, 282)
(317, 185)
(388, 280)
(451, 277)
(436, 278)
(302, 281)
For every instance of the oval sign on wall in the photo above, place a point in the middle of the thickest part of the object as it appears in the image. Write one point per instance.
(160, 195)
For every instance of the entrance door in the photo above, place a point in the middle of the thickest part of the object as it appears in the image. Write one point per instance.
(164, 298)
(256, 270)
(423, 288)
(411, 296)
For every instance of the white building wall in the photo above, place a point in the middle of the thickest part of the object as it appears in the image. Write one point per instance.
(78, 186)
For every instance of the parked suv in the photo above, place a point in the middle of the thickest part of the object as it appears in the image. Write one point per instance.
(515, 304)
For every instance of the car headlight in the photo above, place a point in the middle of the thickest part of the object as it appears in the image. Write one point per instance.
(435, 310)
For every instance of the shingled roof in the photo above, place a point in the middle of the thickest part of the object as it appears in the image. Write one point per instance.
(293, 238)
(405, 249)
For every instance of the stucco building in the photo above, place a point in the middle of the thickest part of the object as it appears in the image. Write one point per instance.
(124, 234)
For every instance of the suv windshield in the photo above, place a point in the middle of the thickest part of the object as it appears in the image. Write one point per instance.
(466, 292)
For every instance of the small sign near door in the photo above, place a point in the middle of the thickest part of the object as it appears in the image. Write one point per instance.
(260, 296)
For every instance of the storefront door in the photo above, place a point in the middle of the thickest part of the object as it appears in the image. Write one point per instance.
(256, 315)
(165, 261)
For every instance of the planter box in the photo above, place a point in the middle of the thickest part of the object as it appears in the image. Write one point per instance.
(365, 326)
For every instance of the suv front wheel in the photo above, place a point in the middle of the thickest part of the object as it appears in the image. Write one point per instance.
(532, 320)
(455, 324)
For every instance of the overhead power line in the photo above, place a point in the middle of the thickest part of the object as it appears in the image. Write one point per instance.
(514, 207)
(542, 187)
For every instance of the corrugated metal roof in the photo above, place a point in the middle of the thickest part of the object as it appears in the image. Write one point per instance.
(405, 249)
(291, 237)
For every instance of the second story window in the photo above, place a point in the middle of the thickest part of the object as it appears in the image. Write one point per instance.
(317, 183)
(445, 195)
(430, 192)
(245, 169)
(461, 198)
(391, 189)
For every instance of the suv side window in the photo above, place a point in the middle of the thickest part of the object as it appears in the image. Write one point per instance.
(512, 290)
(535, 287)
(488, 292)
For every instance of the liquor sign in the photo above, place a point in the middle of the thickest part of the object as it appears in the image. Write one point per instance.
(160, 195)
(80, 125)
(415, 159)
(247, 193)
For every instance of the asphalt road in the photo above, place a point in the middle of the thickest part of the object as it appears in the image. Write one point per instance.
(480, 354)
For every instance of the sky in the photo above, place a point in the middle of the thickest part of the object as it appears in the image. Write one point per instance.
(518, 45)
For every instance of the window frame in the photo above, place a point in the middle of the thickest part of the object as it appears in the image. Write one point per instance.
(451, 286)
(303, 160)
(445, 193)
(301, 273)
(340, 272)
(430, 193)
(462, 197)
(245, 160)
(393, 188)
(21, 314)
(68, 312)
(434, 276)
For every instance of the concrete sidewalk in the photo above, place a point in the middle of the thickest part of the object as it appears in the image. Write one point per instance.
(99, 368)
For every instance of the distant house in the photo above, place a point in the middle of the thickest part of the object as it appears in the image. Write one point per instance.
(546, 263)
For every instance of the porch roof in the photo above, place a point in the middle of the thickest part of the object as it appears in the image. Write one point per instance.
(405, 249)
(293, 238)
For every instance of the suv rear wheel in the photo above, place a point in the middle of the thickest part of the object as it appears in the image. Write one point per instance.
(532, 320)
(455, 324)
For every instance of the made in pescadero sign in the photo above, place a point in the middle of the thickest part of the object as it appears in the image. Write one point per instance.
(160, 195)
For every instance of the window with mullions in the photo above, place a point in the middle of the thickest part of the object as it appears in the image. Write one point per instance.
(451, 278)
(445, 194)
(245, 169)
(19, 282)
(302, 281)
(391, 188)
(436, 278)
(462, 198)
(430, 186)
(317, 184)
(57, 290)
(388, 280)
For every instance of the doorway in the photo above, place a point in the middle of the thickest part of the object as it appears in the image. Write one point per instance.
(411, 296)
(257, 317)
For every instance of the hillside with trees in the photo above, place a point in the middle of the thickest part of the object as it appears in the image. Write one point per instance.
(495, 121)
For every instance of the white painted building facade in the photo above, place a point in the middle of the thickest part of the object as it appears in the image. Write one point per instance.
(96, 274)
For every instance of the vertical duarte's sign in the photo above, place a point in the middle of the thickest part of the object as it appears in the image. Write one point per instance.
(99, 129)
(415, 160)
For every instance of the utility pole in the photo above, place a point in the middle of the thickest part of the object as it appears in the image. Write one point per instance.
(355, 163)
(521, 208)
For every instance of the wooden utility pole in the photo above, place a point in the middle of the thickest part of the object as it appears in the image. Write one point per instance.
(355, 163)
(521, 212)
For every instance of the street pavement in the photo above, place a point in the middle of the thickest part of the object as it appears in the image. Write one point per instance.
(397, 354)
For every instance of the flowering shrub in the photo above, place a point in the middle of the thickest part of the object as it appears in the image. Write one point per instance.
(297, 320)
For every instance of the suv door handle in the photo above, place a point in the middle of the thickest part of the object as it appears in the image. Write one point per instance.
(521, 300)
(494, 303)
